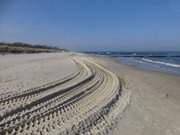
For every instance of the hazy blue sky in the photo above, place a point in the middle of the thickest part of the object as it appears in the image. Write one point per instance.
(119, 25)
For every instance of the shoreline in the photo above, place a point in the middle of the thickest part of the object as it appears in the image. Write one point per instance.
(155, 100)
(146, 69)
(111, 63)
(157, 64)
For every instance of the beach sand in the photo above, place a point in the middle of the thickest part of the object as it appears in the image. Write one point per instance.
(24, 71)
(149, 103)
(155, 101)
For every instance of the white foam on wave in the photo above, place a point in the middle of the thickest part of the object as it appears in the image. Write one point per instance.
(162, 63)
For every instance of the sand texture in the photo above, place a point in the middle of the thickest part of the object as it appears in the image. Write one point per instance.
(58, 93)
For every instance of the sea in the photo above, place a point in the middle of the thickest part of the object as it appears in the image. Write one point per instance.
(168, 62)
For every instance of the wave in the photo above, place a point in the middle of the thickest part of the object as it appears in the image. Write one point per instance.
(162, 63)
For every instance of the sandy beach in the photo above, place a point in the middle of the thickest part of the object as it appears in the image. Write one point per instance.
(155, 101)
(72, 93)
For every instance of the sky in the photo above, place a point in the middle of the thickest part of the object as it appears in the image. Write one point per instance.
(93, 25)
